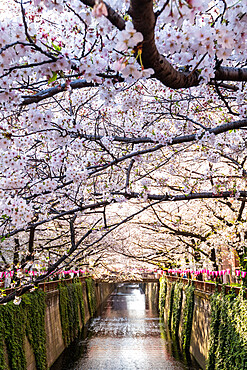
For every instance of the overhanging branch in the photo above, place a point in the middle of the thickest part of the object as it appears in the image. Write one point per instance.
(48, 93)
(144, 21)
(186, 197)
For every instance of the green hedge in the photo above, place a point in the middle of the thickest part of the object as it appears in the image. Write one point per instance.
(17, 321)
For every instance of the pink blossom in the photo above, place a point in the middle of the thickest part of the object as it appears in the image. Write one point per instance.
(99, 9)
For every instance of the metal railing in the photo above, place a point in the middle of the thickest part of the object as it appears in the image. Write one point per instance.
(204, 286)
(48, 286)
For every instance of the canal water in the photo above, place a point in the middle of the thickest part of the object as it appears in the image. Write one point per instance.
(126, 335)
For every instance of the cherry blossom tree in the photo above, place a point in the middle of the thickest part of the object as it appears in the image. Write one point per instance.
(106, 103)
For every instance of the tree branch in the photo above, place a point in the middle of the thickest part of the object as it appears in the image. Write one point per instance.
(128, 174)
(48, 93)
(179, 232)
(144, 21)
(185, 197)
(115, 19)
(24, 289)
(241, 209)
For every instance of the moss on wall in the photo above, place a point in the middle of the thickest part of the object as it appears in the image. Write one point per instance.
(228, 332)
(91, 296)
(188, 316)
(16, 322)
(175, 309)
(36, 326)
(228, 328)
(27, 320)
(171, 305)
(162, 295)
(71, 306)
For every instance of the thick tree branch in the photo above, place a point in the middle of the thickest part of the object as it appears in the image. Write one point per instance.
(235, 125)
(128, 174)
(177, 140)
(231, 74)
(72, 233)
(115, 19)
(186, 197)
(31, 240)
(144, 21)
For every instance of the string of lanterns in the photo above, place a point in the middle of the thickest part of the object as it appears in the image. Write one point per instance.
(161, 272)
(204, 271)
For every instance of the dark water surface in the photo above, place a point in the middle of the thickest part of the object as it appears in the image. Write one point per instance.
(127, 335)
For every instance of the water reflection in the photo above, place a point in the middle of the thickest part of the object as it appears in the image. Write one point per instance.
(127, 335)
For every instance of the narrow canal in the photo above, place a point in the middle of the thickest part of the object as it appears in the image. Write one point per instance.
(126, 335)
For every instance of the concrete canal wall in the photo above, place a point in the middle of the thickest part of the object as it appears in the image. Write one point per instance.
(198, 312)
(199, 340)
(57, 332)
(54, 339)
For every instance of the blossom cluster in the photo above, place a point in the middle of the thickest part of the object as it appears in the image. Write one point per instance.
(99, 129)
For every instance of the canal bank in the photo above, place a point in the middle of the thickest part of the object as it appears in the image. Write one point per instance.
(93, 295)
(208, 320)
(35, 333)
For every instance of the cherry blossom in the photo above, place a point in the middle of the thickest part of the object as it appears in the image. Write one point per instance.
(99, 9)
(128, 38)
(106, 114)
